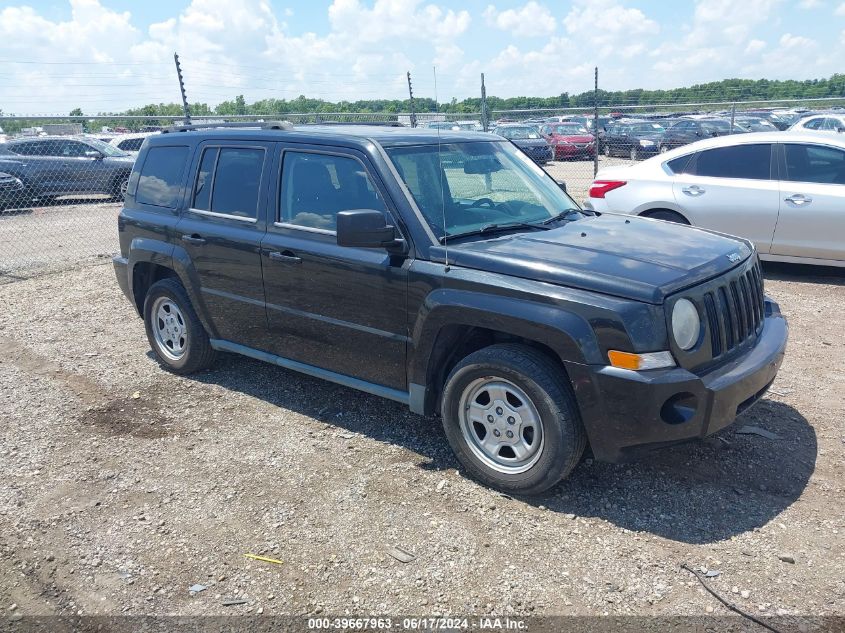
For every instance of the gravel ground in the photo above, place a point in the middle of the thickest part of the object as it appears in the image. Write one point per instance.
(123, 486)
(52, 238)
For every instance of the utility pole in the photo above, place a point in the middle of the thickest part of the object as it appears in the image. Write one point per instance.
(733, 116)
(411, 94)
(485, 113)
(596, 124)
(182, 89)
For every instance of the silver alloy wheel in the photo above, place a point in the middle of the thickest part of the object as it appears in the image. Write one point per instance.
(169, 329)
(124, 185)
(634, 153)
(501, 425)
(664, 149)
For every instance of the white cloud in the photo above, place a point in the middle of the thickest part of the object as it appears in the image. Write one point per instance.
(606, 24)
(811, 4)
(364, 48)
(530, 20)
(755, 46)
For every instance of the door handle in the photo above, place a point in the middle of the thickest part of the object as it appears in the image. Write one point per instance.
(287, 257)
(193, 239)
(693, 190)
(798, 199)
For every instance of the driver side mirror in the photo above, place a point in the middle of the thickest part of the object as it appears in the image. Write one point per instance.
(366, 228)
(562, 185)
(840, 129)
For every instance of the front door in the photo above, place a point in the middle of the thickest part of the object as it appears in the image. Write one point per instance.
(731, 190)
(812, 206)
(337, 308)
(221, 234)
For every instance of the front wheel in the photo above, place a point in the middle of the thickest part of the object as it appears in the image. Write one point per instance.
(511, 419)
(635, 153)
(174, 330)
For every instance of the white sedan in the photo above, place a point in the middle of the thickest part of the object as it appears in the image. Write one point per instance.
(820, 123)
(784, 191)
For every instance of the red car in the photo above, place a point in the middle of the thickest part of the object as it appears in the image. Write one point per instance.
(569, 140)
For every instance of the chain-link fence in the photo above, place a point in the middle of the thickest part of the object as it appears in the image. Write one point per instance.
(62, 179)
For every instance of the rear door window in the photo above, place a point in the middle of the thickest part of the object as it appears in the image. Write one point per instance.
(131, 144)
(229, 181)
(752, 162)
(815, 163)
(160, 179)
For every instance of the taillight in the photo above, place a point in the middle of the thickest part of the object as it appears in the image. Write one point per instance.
(601, 187)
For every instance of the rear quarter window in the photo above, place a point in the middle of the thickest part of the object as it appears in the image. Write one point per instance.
(679, 165)
(160, 178)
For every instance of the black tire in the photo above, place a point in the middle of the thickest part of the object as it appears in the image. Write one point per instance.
(118, 188)
(549, 391)
(198, 353)
(667, 216)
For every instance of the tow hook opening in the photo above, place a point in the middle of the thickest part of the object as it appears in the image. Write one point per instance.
(679, 408)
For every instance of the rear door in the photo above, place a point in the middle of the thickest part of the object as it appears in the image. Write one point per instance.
(221, 235)
(731, 190)
(812, 207)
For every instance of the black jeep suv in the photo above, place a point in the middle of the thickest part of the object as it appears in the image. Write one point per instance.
(445, 270)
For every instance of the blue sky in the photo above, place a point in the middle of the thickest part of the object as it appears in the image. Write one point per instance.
(112, 54)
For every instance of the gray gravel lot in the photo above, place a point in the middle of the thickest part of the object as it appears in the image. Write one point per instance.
(123, 486)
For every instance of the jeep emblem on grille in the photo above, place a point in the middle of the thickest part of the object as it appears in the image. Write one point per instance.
(734, 257)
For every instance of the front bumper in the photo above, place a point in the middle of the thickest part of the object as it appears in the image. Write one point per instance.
(540, 154)
(626, 412)
(573, 151)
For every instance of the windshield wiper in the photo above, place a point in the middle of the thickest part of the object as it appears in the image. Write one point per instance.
(495, 228)
(565, 214)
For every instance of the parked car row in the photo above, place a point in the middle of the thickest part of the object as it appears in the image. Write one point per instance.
(46, 167)
(784, 191)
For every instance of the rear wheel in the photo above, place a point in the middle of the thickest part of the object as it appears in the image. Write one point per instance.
(511, 419)
(174, 330)
(607, 150)
(666, 215)
(664, 149)
(635, 153)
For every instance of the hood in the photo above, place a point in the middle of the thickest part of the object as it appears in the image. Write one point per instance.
(573, 138)
(634, 258)
(530, 142)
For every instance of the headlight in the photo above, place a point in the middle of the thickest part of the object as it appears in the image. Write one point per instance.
(686, 326)
(645, 143)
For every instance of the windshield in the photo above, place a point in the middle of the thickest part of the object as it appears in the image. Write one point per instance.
(719, 125)
(471, 185)
(572, 129)
(647, 128)
(513, 133)
(104, 148)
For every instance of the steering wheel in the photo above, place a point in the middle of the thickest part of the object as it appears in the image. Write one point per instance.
(483, 201)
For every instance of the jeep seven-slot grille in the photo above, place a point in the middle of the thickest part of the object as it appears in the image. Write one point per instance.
(735, 310)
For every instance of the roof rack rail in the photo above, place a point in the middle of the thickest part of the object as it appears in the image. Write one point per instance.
(263, 125)
(373, 123)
